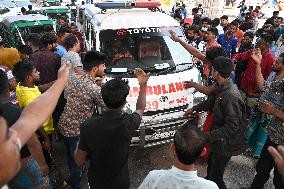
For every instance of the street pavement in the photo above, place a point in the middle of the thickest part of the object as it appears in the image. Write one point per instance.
(239, 172)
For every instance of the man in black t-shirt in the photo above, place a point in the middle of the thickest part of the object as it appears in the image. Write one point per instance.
(105, 139)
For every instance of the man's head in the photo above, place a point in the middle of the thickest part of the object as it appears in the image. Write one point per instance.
(11, 79)
(73, 29)
(213, 53)
(4, 84)
(194, 11)
(114, 93)
(34, 42)
(249, 19)
(48, 41)
(215, 22)
(178, 18)
(224, 20)
(23, 10)
(221, 68)
(278, 21)
(275, 14)
(192, 32)
(278, 65)
(94, 62)
(26, 72)
(189, 144)
(234, 26)
(248, 38)
(49, 29)
(9, 152)
(25, 52)
(211, 35)
(30, 7)
(206, 23)
(71, 42)
(63, 22)
(62, 34)
(264, 42)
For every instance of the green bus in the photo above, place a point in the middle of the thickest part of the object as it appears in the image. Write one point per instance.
(14, 30)
(55, 12)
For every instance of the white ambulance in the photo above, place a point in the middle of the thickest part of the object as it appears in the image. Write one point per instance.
(136, 34)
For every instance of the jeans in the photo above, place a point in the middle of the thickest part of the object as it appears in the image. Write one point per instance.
(75, 170)
(263, 168)
(30, 176)
(216, 168)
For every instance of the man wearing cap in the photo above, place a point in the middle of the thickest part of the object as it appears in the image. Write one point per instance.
(227, 135)
(8, 56)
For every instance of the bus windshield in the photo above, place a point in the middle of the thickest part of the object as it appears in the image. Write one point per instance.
(148, 48)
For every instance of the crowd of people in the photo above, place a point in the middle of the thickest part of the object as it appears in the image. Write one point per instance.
(48, 91)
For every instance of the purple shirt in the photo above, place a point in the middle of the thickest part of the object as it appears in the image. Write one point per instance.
(47, 63)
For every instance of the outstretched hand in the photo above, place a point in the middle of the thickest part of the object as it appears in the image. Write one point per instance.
(141, 76)
(174, 36)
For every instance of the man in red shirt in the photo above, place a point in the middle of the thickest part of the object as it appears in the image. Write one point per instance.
(248, 82)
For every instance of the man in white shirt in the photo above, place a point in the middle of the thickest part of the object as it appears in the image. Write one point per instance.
(188, 146)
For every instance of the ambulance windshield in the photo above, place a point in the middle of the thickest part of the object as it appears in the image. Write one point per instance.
(147, 48)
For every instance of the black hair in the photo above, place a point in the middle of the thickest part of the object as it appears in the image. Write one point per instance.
(4, 83)
(234, 23)
(225, 17)
(178, 16)
(70, 41)
(23, 69)
(48, 28)
(47, 39)
(194, 10)
(214, 31)
(189, 142)
(114, 93)
(275, 12)
(249, 34)
(34, 39)
(206, 19)
(62, 31)
(25, 49)
(280, 18)
(215, 22)
(194, 28)
(214, 52)
(30, 7)
(23, 9)
(63, 18)
(93, 59)
(223, 66)
(267, 38)
(83, 2)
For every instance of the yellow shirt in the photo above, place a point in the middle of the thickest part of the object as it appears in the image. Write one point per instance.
(9, 57)
(25, 96)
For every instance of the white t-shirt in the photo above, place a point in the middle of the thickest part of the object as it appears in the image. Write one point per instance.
(175, 178)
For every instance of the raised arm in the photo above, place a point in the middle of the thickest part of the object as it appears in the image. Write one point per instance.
(195, 52)
(37, 112)
(141, 101)
(256, 56)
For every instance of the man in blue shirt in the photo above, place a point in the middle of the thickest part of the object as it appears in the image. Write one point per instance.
(229, 42)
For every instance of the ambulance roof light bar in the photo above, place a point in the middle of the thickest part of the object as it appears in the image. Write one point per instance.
(127, 4)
